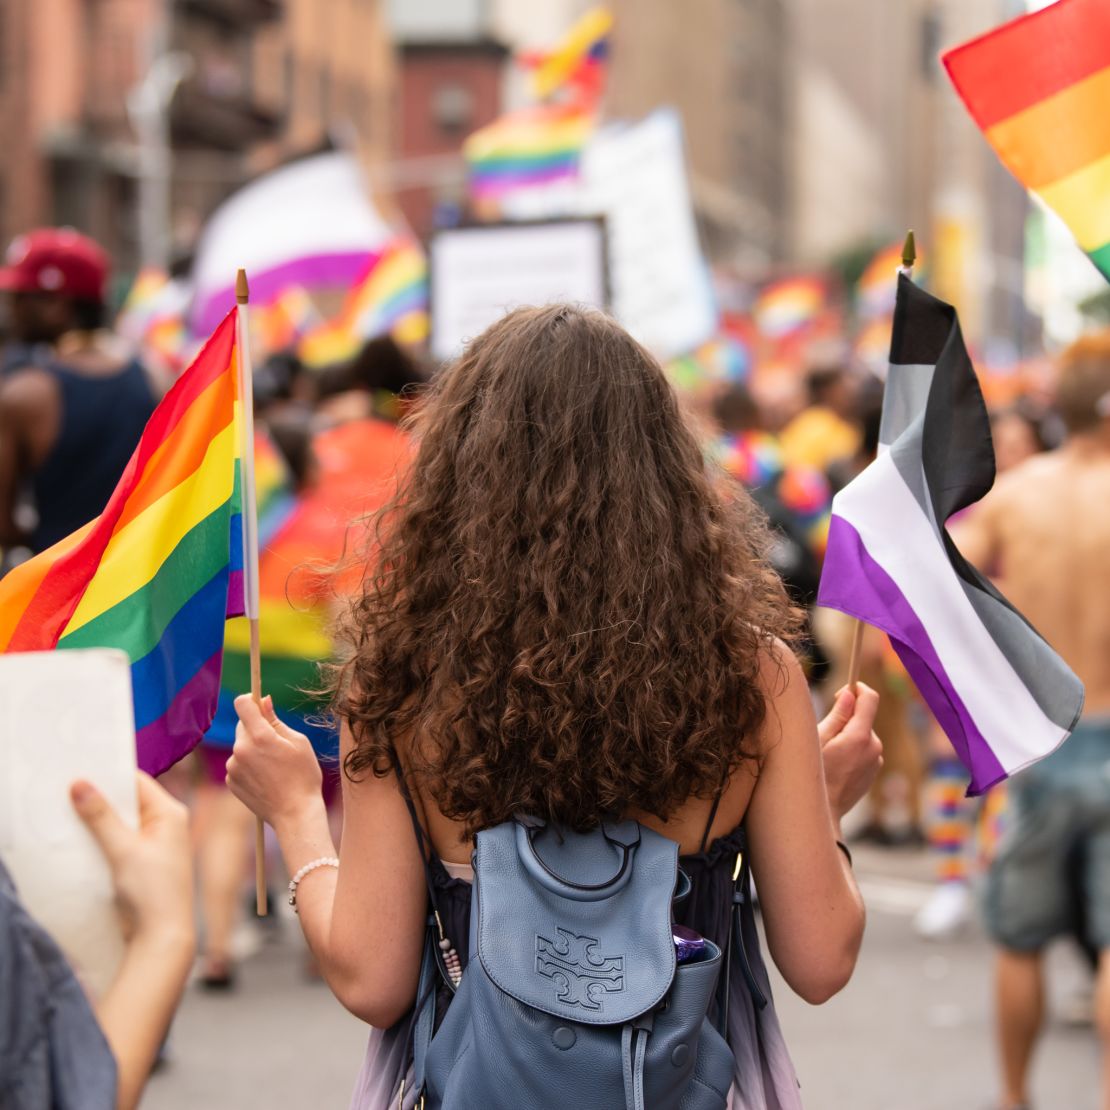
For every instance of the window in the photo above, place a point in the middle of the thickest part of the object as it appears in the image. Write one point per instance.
(453, 107)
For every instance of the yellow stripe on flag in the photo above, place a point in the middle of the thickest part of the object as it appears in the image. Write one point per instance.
(1083, 202)
(1058, 136)
(298, 633)
(136, 552)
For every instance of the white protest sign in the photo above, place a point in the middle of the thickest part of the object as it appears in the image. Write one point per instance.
(477, 274)
(635, 176)
(66, 715)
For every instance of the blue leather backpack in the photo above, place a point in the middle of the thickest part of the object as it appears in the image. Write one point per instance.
(571, 998)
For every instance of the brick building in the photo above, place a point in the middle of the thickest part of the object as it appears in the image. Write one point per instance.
(248, 82)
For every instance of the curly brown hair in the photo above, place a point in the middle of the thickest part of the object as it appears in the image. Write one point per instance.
(564, 613)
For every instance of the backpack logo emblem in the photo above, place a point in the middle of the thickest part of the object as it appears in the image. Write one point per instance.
(581, 975)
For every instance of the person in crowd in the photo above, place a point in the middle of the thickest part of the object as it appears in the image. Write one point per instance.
(1039, 533)
(59, 1050)
(74, 404)
(795, 498)
(563, 616)
(827, 430)
(957, 822)
(222, 823)
(375, 383)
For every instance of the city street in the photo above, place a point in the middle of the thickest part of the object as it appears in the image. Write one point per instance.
(911, 1032)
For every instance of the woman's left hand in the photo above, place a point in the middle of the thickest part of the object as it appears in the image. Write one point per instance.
(273, 769)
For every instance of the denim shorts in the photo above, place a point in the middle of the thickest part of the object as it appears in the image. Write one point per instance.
(1051, 874)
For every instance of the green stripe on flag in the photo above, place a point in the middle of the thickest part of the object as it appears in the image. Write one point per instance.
(136, 624)
(1101, 258)
(284, 678)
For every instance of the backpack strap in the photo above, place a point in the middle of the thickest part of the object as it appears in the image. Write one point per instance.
(423, 1019)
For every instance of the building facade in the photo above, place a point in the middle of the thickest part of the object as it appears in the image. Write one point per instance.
(132, 119)
(722, 63)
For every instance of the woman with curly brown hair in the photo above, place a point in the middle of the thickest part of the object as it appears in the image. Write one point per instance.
(564, 615)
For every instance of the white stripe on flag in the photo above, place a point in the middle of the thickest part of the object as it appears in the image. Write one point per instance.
(901, 539)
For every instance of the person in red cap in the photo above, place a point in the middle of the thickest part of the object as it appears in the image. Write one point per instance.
(73, 402)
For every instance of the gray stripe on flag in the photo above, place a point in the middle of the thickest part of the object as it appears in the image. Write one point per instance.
(904, 399)
(1043, 673)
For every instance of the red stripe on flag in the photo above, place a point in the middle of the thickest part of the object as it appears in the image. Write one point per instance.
(1020, 63)
(48, 611)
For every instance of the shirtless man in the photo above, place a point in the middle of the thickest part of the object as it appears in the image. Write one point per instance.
(73, 403)
(1046, 528)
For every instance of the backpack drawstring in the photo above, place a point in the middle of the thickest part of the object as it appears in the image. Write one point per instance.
(634, 1040)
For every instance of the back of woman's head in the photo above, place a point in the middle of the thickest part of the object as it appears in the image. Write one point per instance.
(563, 616)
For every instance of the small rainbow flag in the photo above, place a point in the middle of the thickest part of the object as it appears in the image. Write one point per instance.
(785, 307)
(1039, 88)
(533, 146)
(159, 571)
(391, 298)
(278, 325)
(578, 60)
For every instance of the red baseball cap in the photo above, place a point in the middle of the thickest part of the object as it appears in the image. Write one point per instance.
(56, 260)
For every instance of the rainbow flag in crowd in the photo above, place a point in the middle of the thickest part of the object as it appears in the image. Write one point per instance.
(152, 317)
(533, 146)
(1002, 695)
(391, 298)
(578, 62)
(1039, 88)
(160, 570)
(787, 306)
(279, 325)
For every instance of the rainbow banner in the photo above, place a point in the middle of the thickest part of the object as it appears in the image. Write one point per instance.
(787, 306)
(1039, 88)
(160, 570)
(578, 60)
(390, 298)
(533, 146)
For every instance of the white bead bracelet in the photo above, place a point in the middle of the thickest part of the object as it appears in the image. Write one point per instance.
(323, 861)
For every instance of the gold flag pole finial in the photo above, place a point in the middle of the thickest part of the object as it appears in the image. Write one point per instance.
(242, 289)
(909, 251)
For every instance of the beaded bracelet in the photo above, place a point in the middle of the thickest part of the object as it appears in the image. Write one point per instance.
(323, 861)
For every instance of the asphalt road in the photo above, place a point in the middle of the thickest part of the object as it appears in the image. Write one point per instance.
(911, 1032)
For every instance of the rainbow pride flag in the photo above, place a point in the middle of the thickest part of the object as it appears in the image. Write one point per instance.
(1039, 88)
(785, 307)
(533, 146)
(161, 569)
(391, 298)
(578, 60)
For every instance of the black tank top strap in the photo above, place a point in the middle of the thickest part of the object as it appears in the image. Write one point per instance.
(712, 815)
(429, 857)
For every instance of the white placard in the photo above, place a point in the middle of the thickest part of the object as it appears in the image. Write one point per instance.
(635, 176)
(66, 715)
(477, 274)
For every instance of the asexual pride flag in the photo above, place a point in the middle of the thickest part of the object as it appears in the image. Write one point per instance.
(1002, 695)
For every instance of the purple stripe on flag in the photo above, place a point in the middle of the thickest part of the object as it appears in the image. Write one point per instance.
(341, 268)
(236, 595)
(856, 584)
(170, 738)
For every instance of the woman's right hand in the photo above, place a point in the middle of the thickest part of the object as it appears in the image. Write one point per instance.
(851, 751)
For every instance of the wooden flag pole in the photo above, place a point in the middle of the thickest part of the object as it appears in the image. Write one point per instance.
(909, 257)
(250, 548)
